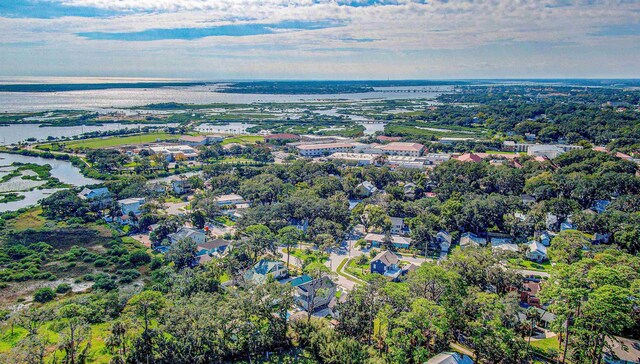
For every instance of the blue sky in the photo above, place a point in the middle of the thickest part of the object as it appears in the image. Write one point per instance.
(320, 39)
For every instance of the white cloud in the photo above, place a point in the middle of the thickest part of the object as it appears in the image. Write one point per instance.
(410, 38)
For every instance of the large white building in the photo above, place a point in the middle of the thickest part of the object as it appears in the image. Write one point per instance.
(316, 150)
(402, 148)
(512, 146)
(549, 151)
(175, 152)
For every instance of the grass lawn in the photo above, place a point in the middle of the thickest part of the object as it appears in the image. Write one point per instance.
(546, 344)
(340, 272)
(225, 220)
(244, 139)
(527, 264)
(358, 270)
(31, 219)
(309, 257)
(114, 141)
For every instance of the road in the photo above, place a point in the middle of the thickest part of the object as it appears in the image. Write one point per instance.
(336, 257)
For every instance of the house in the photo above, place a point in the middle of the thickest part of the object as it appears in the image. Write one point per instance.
(214, 247)
(529, 292)
(229, 200)
(471, 240)
(197, 236)
(301, 225)
(398, 227)
(504, 244)
(409, 190)
(180, 186)
(551, 221)
(537, 252)
(545, 238)
(450, 358)
(131, 205)
(377, 240)
(566, 226)
(622, 351)
(469, 157)
(600, 206)
(386, 263)
(366, 189)
(546, 317)
(99, 195)
(157, 187)
(264, 269)
(315, 295)
(443, 238)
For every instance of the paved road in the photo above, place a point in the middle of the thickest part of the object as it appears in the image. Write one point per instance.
(336, 257)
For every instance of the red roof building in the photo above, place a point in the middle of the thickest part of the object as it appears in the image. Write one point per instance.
(282, 136)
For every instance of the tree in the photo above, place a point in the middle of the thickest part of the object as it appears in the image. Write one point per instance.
(182, 253)
(434, 283)
(32, 319)
(289, 236)
(375, 217)
(146, 306)
(419, 334)
(117, 341)
(74, 337)
(198, 219)
(259, 239)
(568, 247)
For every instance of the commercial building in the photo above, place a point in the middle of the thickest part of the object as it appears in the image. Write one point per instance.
(402, 148)
(316, 150)
(175, 152)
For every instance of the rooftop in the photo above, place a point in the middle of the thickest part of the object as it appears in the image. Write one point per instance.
(402, 146)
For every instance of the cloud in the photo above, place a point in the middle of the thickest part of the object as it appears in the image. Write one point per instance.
(435, 38)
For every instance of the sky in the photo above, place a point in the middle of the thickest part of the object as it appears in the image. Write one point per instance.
(321, 39)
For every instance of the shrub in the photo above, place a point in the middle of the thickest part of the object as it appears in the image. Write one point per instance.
(44, 295)
(63, 288)
(156, 263)
(104, 282)
(100, 263)
(139, 257)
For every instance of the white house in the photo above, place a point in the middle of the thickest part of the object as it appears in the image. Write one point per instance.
(366, 189)
(537, 252)
(229, 200)
(471, 240)
(397, 241)
(397, 225)
(198, 236)
(444, 240)
(130, 205)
